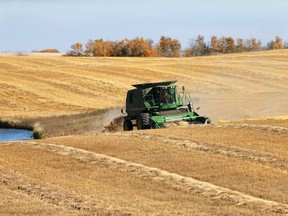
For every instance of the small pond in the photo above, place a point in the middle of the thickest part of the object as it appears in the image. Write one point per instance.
(15, 134)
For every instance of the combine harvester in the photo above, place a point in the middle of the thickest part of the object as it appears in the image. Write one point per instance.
(153, 105)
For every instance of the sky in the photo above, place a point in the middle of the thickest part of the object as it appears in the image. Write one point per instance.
(33, 25)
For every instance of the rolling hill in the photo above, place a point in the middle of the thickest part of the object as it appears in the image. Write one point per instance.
(226, 87)
(236, 166)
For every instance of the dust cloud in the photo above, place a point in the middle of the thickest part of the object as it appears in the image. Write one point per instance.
(110, 120)
(240, 105)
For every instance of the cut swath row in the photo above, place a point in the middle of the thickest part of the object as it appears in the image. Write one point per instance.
(172, 180)
(212, 148)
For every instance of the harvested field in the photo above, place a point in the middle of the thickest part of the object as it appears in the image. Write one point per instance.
(269, 122)
(18, 203)
(219, 163)
(227, 87)
(236, 166)
(78, 182)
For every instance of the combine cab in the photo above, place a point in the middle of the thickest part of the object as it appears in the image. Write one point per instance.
(151, 105)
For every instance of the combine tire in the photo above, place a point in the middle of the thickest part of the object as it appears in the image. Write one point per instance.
(197, 122)
(202, 120)
(208, 121)
(142, 121)
(127, 126)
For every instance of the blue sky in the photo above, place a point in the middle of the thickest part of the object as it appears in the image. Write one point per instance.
(27, 25)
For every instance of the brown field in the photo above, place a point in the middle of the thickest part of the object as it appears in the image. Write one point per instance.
(236, 166)
(225, 87)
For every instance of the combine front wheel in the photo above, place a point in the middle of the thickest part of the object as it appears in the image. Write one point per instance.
(127, 126)
(142, 121)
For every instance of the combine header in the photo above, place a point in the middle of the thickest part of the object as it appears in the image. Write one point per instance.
(151, 105)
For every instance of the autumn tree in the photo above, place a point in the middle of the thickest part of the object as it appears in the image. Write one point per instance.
(77, 50)
(140, 47)
(150, 50)
(198, 47)
(98, 47)
(276, 44)
(175, 48)
(213, 47)
(256, 45)
(163, 46)
(89, 47)
(168, 47)
(102, 48)
(122, 48)
(239, 45)
(252, 44)
(230, 45)
(77, 47)
(222, 44)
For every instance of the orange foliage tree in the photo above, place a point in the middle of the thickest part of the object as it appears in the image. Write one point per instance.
(102, 48)
(78, 47)
(168, 47)
(141, 47)
(77, 50)
(276, 44)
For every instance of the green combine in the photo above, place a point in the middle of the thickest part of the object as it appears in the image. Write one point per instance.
(151, 105)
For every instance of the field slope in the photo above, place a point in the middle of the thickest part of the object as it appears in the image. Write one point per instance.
(226, 87)
(236, 166)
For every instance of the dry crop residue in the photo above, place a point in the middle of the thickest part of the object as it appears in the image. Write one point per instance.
(215, 149)
(171, 179)
(80, 183)
(234, 168)
(46, 86)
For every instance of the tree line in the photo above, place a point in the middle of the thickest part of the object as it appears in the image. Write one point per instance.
(171, 47)
(137, 47)
(224, 45)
